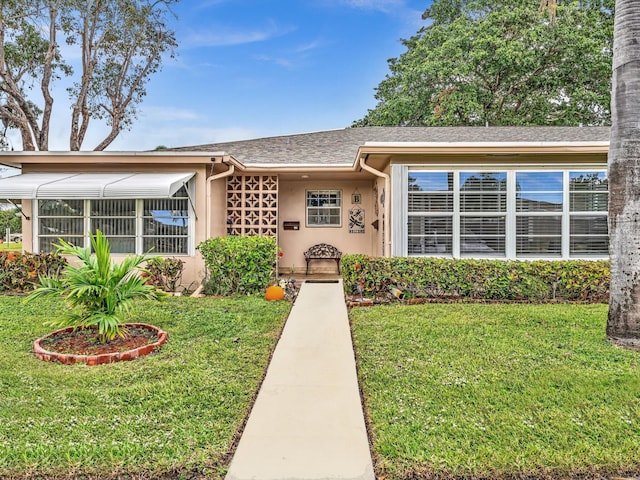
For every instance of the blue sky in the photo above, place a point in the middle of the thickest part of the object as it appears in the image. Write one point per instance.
(253, 68)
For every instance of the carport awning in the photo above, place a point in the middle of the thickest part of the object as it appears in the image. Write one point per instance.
(93, 185)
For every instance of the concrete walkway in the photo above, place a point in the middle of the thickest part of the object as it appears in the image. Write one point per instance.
(307, 422)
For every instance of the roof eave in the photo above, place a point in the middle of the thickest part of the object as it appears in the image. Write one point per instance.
(17, 159)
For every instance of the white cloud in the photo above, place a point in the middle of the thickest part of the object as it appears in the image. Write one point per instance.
(283, 62)
(148, 138)
(399, 9)
(385, 6)
(293, 56)
(166, 114)
(223, 36)
(307, 47)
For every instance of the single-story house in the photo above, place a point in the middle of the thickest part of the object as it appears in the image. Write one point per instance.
(494, 192)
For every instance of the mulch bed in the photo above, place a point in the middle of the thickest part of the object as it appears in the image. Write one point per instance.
(85, 341)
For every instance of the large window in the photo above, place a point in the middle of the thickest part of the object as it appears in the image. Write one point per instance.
(132, 226)
(117, 220)
(324, 208)
(588, 197)
(506, 214)
(60, 219)
(539, 205)
(430, 219)
(483, 207)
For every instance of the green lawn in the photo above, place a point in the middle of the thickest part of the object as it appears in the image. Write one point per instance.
(174, 413)
(10, 247)
(497, 391)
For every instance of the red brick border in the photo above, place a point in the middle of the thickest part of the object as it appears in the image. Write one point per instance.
(101, 359)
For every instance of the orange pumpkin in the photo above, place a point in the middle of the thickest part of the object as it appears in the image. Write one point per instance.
(274, 293)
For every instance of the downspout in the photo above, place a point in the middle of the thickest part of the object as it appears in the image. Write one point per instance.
(387, 207)
(210, 179)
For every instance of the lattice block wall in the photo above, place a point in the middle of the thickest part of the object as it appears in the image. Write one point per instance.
(252, 203)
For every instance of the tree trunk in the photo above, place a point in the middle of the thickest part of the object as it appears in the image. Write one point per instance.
(623, 325)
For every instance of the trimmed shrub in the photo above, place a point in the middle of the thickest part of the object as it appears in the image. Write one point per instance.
(238, 265)
(164, 273)
(19, 272)
(446, 279)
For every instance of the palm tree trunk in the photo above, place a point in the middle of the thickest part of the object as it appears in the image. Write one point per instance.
(623, 325)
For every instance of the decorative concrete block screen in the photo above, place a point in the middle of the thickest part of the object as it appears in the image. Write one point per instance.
(252, 205)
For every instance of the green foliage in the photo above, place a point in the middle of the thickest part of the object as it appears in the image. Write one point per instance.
(171, 415)
(122, 42)
(98, 291)
(238, 265)
(450, 279)
(497, 392)
(501, 63)
(10, 219)
(165, 272)
(20, 272)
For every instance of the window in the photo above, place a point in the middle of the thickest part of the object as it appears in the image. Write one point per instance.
(588, 199)
(60, 219)
(117, 220)
(324, 208)
(430, 219)
(166, 224)
(508, 214)
(132, 226)
(483, 204)
(539, 204)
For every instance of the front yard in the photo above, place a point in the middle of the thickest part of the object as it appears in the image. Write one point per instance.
(10, 247)
(451, 390)
(173, 414)
(497, 391)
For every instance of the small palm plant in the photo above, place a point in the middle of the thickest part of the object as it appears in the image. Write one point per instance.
(98, 292)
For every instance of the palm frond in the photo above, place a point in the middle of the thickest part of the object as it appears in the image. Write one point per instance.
(98, 291)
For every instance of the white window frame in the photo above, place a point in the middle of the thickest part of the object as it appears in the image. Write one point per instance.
(308, 208)
(400, 211)
(540, 214)
(444, 214)
(139, 226)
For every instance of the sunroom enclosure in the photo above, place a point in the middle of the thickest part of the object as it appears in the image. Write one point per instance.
(500, 213)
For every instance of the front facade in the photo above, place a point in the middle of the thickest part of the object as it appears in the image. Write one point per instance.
(503, 192)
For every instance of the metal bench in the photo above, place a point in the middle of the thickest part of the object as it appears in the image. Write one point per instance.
(323, 251)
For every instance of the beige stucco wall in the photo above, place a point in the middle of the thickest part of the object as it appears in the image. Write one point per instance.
(292, 207)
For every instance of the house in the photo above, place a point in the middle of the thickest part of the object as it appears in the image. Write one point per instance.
(495, 192)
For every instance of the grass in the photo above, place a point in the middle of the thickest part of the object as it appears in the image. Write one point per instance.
(173, 414)
(10, 247)
(497, 391)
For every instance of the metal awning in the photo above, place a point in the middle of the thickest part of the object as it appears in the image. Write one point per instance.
(92, 185)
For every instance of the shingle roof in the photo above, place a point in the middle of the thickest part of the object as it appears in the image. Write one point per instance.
(339, 147)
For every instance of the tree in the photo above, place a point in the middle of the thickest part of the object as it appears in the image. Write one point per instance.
(10, 219)
(120, 44)
(500, 62)
(623, 325)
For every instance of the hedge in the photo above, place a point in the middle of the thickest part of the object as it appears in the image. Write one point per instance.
(238, 265)
(19, 271)
(453, 279)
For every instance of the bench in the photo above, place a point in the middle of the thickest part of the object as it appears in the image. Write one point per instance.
(323, 251)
